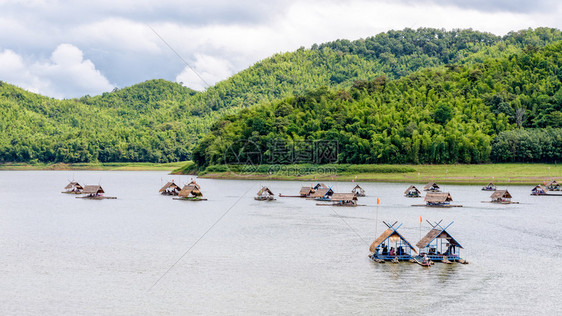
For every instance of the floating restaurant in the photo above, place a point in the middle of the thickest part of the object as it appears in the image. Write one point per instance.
(489, 187)
(341, 199)
(391, 246)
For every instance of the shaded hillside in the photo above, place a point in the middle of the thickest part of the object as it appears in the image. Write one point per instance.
(442, 115)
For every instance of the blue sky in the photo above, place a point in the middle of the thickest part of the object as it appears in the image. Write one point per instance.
(67, 49)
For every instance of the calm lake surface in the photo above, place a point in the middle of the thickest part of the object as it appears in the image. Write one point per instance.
(62, 255)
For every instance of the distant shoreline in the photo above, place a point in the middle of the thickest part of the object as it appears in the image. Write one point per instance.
(110, 166)
(480, 174)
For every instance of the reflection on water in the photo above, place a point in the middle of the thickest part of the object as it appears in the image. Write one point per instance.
(66, 255)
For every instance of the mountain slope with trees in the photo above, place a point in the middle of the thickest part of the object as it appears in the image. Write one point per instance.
(160, 121)
(446, 114)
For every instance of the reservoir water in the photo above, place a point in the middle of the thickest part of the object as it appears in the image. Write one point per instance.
(147, 254)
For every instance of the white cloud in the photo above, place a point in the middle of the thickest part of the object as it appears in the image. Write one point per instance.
(208, 70)
(66, 74)
(218, 37)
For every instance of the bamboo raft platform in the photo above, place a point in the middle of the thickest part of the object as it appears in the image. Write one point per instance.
(442, 206)
(98, 197)
(338, 204)
(505, 202)
(189, 199)
(94, 192)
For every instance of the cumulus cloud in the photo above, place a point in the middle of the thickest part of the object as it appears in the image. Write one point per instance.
(206, 70)
(66, 74)
(217, 37)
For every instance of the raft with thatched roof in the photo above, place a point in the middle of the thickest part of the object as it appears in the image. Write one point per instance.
(342, 199)
(73, 188)
(94, 192)
(264, 194)
(539, 190)
(489, 187)
(438, 245)
(412, 192)
(501, 197)
(553, 186)
(391, 246)
(170, 188)
(191, 192)
(432, 187)
(322, 194)
(358, 191)
(438, 199)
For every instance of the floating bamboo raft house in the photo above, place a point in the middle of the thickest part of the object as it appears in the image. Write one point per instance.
(191, 192)
(502, 197)
(438, 199)
(264, 194)
(553, 186)
(432, 187)
(322, 194)
(412, 192)
(342, 199)
(391, 246)
(73, 188)
(438, 245)
(358, 191)
(94, 192)
(489, 187)
(170, 188)
(539, 190)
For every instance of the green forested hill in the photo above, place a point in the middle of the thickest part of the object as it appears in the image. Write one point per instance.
(160, 121)
(445, 114)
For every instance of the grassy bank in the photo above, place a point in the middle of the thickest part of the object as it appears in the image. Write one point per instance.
(112, 166)
(511, 173)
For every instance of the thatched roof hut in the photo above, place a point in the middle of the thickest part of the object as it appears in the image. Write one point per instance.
(391, 235)
(73, 187)
(306, 191)
(170, 188)
(432, 186)
(320, 193)
(93, 190)
(344, 197)
(190, 190)
(264, 194)
(358, 191)
(489, 187)
(320, 186)
(553, 186)
(501, 196)
(439, 242)
(438, 198)
(538, 190)
(412, 191)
